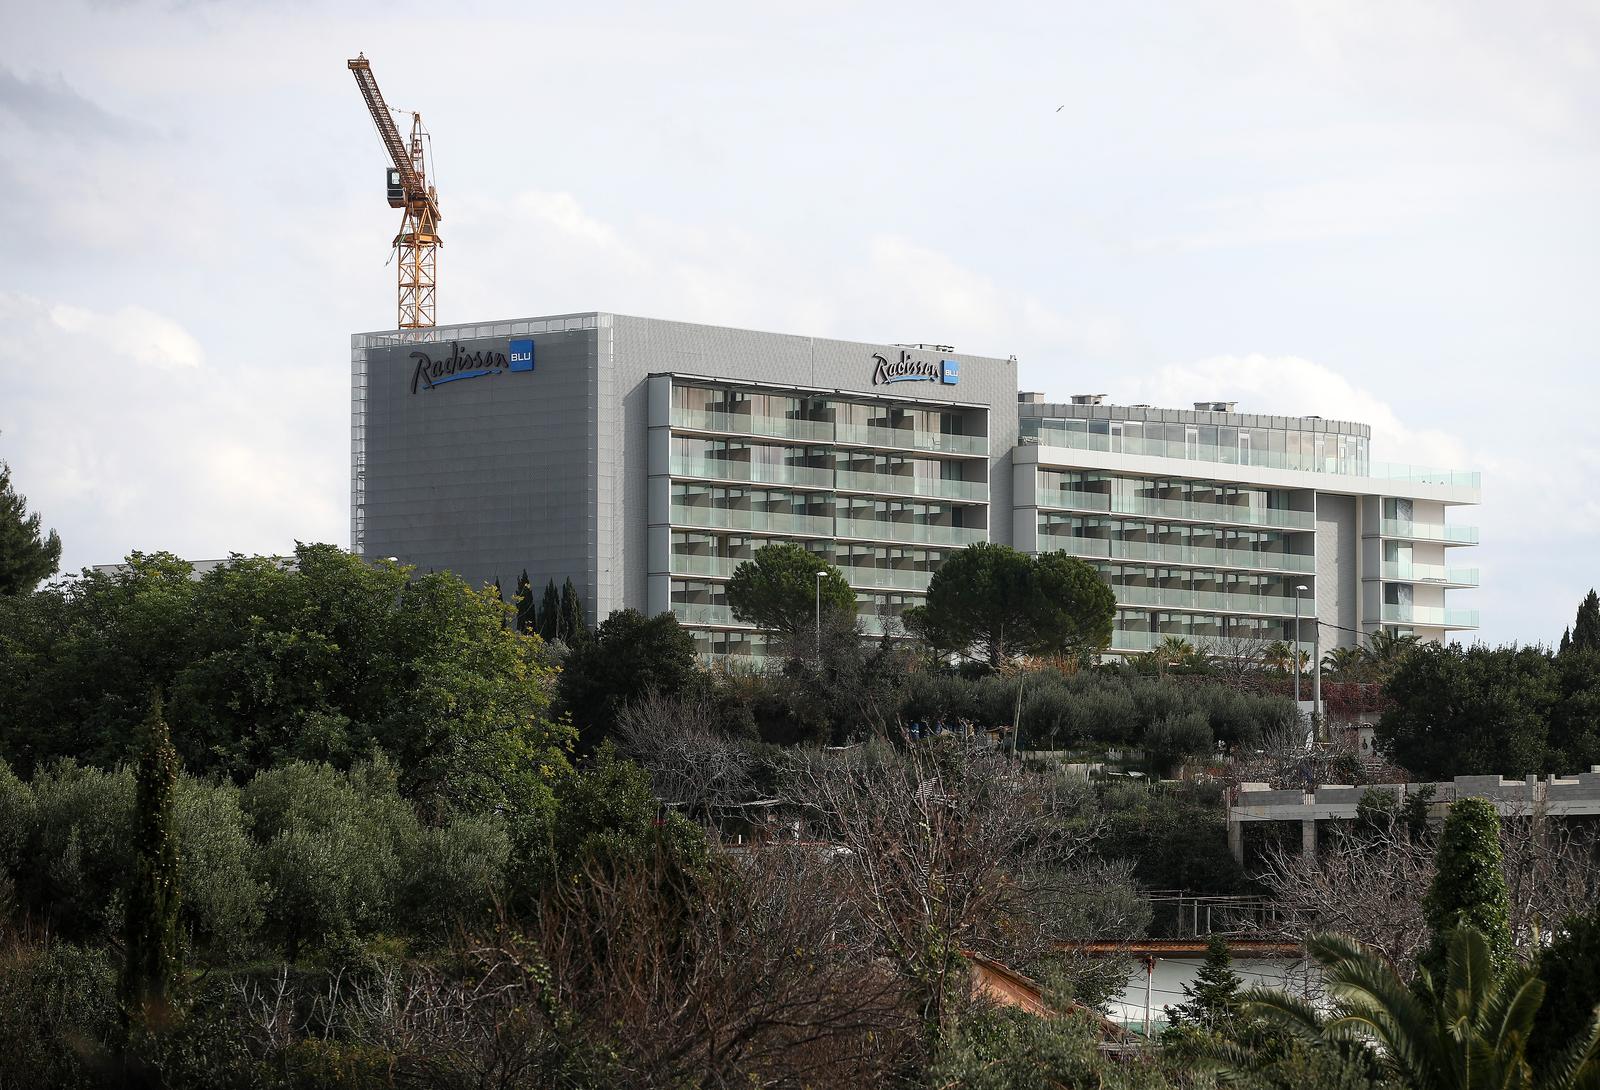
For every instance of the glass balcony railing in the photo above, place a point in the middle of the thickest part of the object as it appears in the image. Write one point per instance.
(827, 431)
(1430, 531)
(1430, 615)
(1395, 471)
(909, 485)
(729, 469)
(1137, 640)
(1220, 601)
(920, 533)
(1429, 573)
(723, 567)
(725, 518)
(776, 427)
(700, 613)
(1193, 510)
(715, 567)
(1197, 555)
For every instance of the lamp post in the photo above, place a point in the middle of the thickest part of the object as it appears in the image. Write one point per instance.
(820, 574)
(1294, 652)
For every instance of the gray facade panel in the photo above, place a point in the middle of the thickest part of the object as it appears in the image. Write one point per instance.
(1338, 585)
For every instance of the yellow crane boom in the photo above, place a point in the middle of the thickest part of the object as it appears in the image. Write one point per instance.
(418, 242)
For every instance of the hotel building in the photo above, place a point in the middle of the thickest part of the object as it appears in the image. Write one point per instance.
(646, 459)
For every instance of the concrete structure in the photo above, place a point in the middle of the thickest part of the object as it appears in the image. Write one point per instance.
(1554, 796)
(646, 459)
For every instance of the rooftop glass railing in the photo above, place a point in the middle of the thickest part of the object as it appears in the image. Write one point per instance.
(1190, 555)
(730, 469)
(1221, 601)
(1430, 531)
(909, 485)
(726, 518)
(1193, 510)
(1430, 615)
(1429, 573)
(1396, 471)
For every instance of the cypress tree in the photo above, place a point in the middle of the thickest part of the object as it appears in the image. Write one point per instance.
(527, 609)
(1586, 629)
(572, 625)
(1566, 641)
(550, 612)
(499, 596)
(26, 555)
(150, 966)
(1469, 885)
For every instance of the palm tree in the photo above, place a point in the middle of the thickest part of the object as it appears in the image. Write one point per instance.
(1466, 1031)
(1385, 649)
(1279, 656)
(1344, 663)
(1172, 651)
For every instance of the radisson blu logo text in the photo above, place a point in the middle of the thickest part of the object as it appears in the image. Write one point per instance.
(458, 365)
(909, 368)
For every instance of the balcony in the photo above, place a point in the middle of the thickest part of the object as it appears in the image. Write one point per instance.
(729, 469)
(728, 518)
(701, 613)
(1214, 601)
(1398, 572)
(1187, 555)
(916, 533)
(772, 427)
(1434, 616)
(1429, 531)
(1193, 511)
(937, 488)
(1129, 640)
(711, 567)
(867, 578)
(867, 435)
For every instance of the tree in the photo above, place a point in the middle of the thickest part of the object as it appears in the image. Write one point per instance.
(527, 617)
(550, 612)
(26, 557)
(1213, 1000)
(1570, 970)
(1344, 664)
(1469, 886)
(1385, 650)
(777, 590)
(1586, 629)
(629, 656)
(991, 602)
(1469, 711)
(1466, 1028)
(150, 965)
(572, 623)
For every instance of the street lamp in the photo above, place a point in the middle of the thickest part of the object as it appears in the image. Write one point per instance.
(820, 573)
(1295, 651)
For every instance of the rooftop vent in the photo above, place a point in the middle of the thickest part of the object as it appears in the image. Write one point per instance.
(1030, 397)
(929, 347)
(1088, 399)
(1214, 406)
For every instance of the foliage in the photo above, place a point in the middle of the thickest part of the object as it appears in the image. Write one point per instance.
(572, 626)
(550, 612)
(150, 935)
(1585, 632)
(1007, 1049)
(27, 555)
(1468, 1027)
(778, 590)
(526, 618)
(628, 656)
(1213, 1001)
(1172, 737)
(991, 602)
(1570, 970)
(58, 1015)
(1176, 836)
(264, 663)
(1469, 886)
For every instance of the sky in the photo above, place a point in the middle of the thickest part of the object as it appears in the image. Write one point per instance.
(1378, 212)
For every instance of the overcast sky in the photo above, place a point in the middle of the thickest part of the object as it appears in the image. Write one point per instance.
(1384, 212)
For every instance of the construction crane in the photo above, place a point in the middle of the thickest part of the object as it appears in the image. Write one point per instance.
(417, 244)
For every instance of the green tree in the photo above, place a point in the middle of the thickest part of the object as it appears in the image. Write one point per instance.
(1570, 970)
(550, 612)
(1470, 711)
(630, 655)
(572, 623)
(1073, 607)
(1213, 1000)
(1465, 1029)
(777, 590)
(1344, 664)
(1585, 630)
(1469, 885)
(27, 555)
(527, 616)
(1385, 650)
(150, 936)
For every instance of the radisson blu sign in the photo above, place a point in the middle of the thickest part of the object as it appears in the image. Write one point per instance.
(458, 365)
(911, 368)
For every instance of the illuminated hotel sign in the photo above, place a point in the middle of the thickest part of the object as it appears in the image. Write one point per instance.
(909, 368)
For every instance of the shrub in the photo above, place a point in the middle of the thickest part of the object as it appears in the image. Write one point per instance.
(223, 898)
(1171, 738)
(81, 848)
(456, 874)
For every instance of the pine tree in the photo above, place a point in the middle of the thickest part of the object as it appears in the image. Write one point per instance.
(151, 966)
(1469, 885)
(550, 612)
(527, 609)
(1214, 1001)
(26, 556)
(1586, 629)
(572, 624)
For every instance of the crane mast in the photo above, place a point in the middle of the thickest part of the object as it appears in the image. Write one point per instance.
(417, 245)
